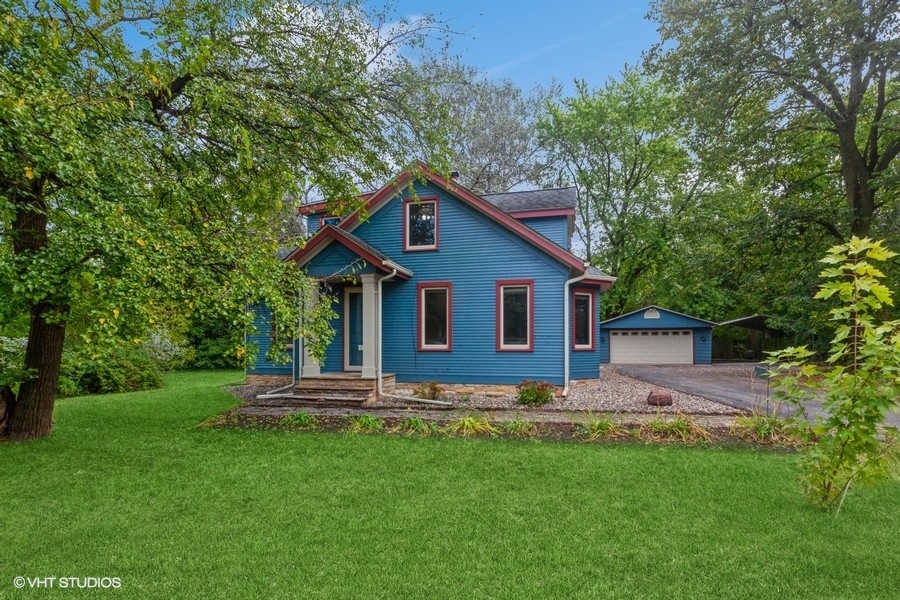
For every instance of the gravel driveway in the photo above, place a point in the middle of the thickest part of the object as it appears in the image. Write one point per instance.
(731, 383)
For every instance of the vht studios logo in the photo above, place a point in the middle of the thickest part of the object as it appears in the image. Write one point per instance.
(83, 583)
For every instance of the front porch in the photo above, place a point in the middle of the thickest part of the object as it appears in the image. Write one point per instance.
(346, 390)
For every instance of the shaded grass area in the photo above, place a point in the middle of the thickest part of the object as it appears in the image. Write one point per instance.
(128, 486)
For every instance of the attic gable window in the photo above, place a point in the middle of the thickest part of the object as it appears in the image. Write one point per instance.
(420, 224)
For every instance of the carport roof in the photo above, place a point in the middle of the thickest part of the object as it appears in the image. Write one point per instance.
(757, 322)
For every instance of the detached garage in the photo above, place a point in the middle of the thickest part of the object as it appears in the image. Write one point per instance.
(656, 336)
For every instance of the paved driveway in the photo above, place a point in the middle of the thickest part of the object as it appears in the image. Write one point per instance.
(733, 384)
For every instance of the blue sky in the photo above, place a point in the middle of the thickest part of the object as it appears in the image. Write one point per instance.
(532, 42)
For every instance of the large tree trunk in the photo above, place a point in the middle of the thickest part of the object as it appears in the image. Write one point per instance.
(31, 414)
(855, 175)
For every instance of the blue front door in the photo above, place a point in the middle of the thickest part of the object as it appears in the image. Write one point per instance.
(353, 316)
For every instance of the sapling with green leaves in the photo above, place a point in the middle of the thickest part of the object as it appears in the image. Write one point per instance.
(860, 379)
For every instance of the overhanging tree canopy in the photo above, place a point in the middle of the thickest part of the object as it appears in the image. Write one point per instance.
(751, 70)
(145, 144)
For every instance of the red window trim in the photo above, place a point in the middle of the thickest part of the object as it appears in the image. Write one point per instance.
(502, 283)
(420, 317)
(593, 322)
(437, 221)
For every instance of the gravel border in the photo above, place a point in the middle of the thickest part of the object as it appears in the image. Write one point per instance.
(613, 392)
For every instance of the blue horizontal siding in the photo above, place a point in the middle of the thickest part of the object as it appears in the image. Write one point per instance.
(703, 346)
(261, 339)
(336, 260)
(474, 253)
(552, 228)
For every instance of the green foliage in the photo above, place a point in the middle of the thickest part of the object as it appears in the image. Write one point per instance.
(623, 147)
(301, 419)
(122, 368)
(366, 424)
(138, 182)
(762, 76)
(600, 427)
(469, 426)
(861, 378)
(212, 343)
(12, 361)
(535, 393)
(518, 427)
(165, 351)
(429, 390)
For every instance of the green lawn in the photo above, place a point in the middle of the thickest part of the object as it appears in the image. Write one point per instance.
(128, 486)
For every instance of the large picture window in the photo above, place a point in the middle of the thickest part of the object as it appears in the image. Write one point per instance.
(583, 319)
(515, 315)
(435, 316)
(420, 224)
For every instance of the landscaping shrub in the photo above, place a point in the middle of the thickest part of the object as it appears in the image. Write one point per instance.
(212, 343)
(429, 390)
(123, 368)
(535, 393)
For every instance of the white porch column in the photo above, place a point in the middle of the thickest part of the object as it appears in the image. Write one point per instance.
(369, 308)
(310, 366)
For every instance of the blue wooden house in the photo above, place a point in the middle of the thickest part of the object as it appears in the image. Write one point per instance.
(447, 285)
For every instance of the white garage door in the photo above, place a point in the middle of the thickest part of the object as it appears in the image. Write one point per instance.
(675, 346)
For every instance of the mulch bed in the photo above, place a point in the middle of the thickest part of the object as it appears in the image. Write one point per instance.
(567, 431)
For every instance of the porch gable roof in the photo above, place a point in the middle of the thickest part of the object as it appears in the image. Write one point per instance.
(329, 234)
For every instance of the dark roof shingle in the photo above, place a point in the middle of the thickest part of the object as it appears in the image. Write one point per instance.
(511, 202)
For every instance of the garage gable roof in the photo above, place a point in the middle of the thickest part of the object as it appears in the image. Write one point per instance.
(655, 317)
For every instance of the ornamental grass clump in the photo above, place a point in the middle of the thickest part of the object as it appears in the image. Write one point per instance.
(301, 419)
(599, 428)
(469, 426)
(415, 426)
(519, 427)
(679, 429)
(771, 430)
(366, 424)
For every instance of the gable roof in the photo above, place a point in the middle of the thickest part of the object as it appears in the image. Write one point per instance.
(661, 309)
(558, 200)
(487, 209)
(329, 233)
